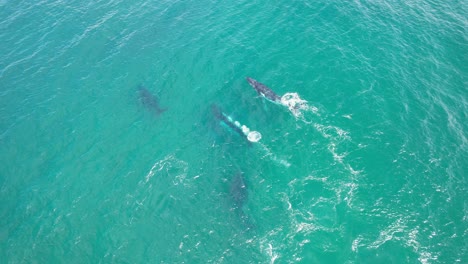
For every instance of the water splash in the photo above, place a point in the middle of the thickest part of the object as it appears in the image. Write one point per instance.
(296, 105)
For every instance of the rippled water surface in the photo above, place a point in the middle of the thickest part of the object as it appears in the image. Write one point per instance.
(372, 170)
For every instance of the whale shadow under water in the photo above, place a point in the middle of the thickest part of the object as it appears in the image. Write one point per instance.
(239, 195)
(150, 101)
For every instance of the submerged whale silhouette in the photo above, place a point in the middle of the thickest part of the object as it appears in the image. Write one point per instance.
(239, 195)
(238, 191)
(149, 101)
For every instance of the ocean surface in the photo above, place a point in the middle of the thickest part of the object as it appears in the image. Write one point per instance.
(373, 168)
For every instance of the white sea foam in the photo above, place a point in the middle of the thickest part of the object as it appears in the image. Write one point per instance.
(168, 165)
(399, 231)
(296, 105)
(266, 246)
(273, 157)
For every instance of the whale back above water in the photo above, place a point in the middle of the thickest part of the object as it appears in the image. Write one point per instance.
(263, 90)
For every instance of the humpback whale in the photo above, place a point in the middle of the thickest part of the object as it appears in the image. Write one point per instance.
(239, 195)
(225, 119)
(242, 130)
(291, 100)
(149, 101)
(264, 91)
(238, 191)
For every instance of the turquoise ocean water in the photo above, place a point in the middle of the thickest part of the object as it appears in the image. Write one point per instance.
(373, 171)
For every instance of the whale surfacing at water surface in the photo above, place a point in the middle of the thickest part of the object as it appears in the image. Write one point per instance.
(264, 91)
(149, 101)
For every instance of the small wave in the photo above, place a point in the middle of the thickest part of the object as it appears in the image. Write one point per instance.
(397, 231)
(266, 246)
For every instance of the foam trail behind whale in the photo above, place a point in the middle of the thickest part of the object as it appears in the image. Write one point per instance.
(273, 157)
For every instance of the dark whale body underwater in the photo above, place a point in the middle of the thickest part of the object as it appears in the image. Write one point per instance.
(264, 91)
(238, 191)
(239, 195)
(149, 101)
(222, 117)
